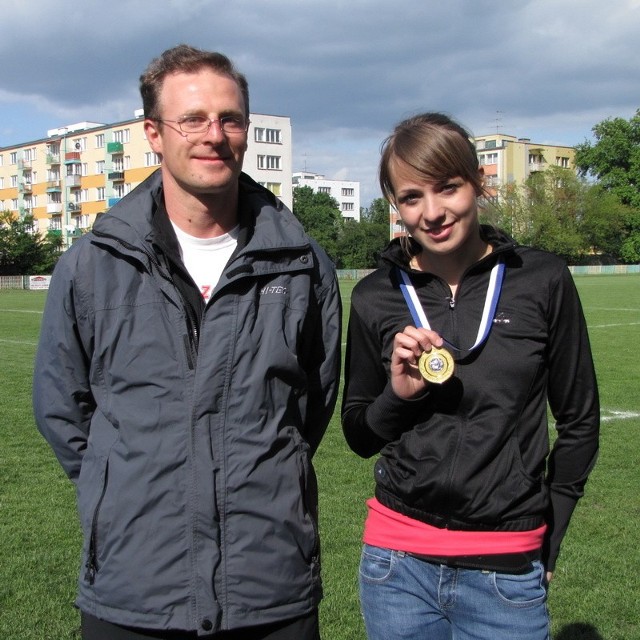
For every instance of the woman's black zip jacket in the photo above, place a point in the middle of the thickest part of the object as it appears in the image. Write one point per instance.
(473, 453)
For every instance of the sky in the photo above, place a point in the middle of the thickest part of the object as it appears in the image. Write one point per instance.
(345, 72)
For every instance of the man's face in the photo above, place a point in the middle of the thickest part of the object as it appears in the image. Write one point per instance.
(206, 163)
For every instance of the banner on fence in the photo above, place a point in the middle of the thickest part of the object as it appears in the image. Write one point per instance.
(39, 282)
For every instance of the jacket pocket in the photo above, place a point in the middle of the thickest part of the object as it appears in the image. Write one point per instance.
(91, 565)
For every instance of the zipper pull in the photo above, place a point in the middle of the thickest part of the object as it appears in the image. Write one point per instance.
(452, 302)
(91, 567)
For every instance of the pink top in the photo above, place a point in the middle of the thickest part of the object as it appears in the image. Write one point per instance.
(391, 530)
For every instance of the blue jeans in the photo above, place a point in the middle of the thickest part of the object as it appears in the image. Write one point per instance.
(405, 598)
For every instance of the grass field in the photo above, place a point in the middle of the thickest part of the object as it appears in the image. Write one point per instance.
(595, 593)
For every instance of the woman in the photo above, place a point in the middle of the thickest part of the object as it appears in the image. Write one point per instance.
(454, 348)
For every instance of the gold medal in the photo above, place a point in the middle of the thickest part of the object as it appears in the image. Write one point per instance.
(436, 365)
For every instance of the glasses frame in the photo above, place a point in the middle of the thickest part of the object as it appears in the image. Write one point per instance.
(209, 122)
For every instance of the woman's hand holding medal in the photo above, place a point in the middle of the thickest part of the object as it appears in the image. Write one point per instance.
(409, 347)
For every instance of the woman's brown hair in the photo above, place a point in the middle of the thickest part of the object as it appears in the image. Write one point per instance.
(436, 147)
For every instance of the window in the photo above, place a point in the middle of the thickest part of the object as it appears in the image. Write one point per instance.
(82, 221)
(29, 154)
(348, 192)
(79, 144)
(563, 162)
(269, 162)
(324, 190)
(118, 164)
(55, 223)
(274, 187)
(1, 183)
(488, 158)
(490, 144)
(14, 181)
(122, 135)
(273, 136)
(13, 157)
(100, 141)
(100, 193)
(55, 197)
(535, 158)
(118, 190)
(347, 206)
(1, 160)
(151, 159)
(100, 166)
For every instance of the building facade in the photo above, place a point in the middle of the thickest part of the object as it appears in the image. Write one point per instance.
(345, 193)
(508, 160)
(78, 171)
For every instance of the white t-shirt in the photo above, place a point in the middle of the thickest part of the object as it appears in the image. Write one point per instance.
(205, 258)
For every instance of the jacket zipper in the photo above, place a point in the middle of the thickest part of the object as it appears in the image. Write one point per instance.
(92, 559)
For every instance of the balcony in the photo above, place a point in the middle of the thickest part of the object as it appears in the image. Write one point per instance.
(25, 187)
(24, 164)
(115, 147)
(74, 207)
(116, 176)
(72, 157)
(73, 181)
(113, 201)
(53, 186)
(54, 208)
(53, 158)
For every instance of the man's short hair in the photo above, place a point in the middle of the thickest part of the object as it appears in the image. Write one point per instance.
(185, 59)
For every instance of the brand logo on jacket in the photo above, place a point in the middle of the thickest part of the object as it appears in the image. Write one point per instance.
(501, 318)
(273, 289)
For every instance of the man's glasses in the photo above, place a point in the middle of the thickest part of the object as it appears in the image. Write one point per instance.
(200, 124)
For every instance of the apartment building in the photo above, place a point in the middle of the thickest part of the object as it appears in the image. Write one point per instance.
(345, 193)
(506, 160)
(78, 171)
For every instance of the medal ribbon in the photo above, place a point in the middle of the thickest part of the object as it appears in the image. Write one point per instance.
(490, 304)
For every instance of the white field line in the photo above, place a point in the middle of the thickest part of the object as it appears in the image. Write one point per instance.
(606, 326)
(31, 344)
(609, 415)
(21, 311)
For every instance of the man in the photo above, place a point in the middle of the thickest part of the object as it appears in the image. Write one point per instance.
(186, 372)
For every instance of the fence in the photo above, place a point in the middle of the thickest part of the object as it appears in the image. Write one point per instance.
(41, 282)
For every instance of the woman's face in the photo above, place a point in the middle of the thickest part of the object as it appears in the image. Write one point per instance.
(442, 217)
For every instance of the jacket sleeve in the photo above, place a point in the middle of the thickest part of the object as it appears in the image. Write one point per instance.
(323, 352)
(372, 415)
(62, 399)
(573, 399)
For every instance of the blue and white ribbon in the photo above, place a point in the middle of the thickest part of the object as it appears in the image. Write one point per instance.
(490, 304)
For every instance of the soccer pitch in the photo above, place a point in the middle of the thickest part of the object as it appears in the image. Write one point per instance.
(594, 595)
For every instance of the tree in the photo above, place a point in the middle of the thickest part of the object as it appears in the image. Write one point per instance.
(320, 216)
(24, 251)
(360, 244)
(605, 221)
(378, 212)
(614, 159)
(544, 212)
